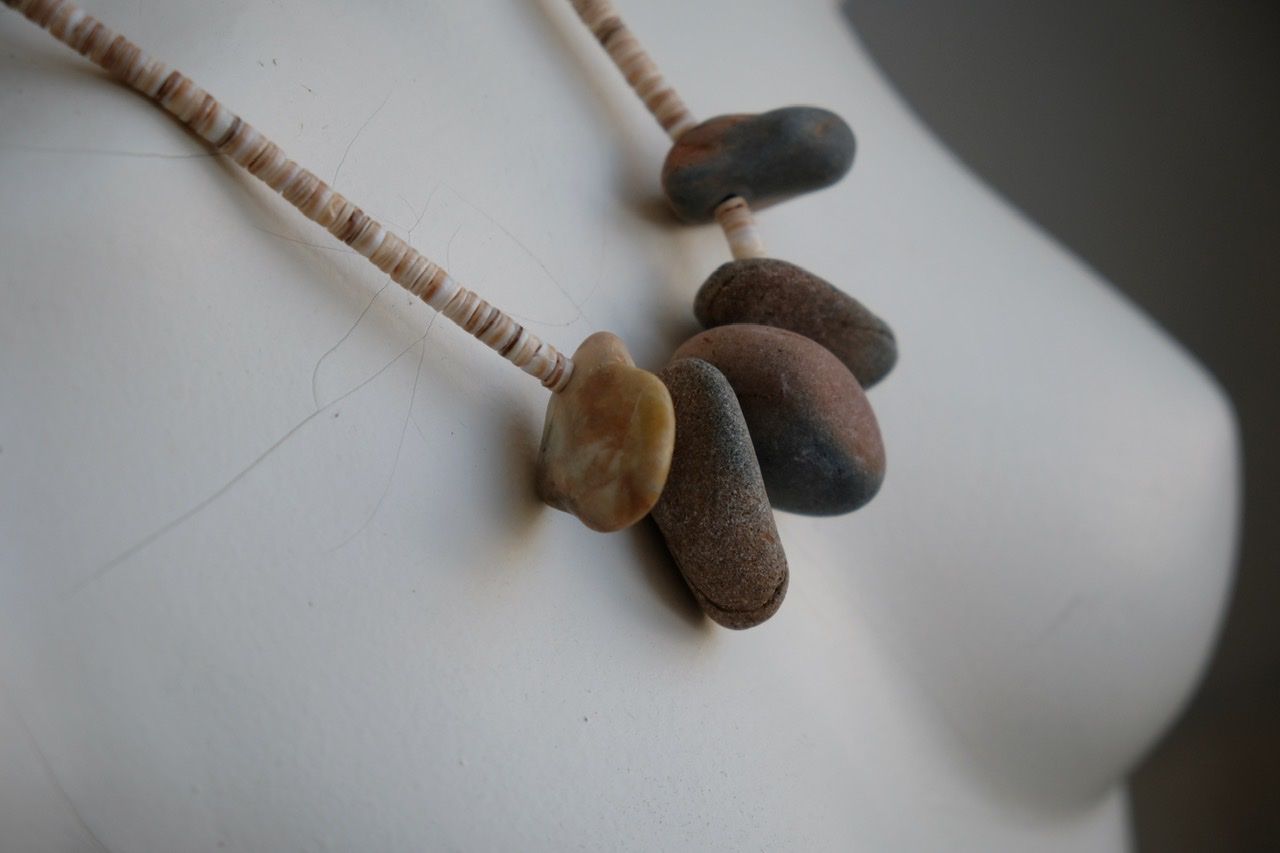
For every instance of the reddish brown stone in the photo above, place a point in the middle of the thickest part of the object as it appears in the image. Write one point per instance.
(714, 512)
(813, 429)
(770, 292)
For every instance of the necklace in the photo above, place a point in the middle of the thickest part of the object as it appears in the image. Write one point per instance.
(708, 444)
(769, 402)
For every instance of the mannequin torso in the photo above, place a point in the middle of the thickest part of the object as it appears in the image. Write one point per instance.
(272, 579)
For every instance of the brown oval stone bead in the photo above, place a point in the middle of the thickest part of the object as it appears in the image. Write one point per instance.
(714, 513)
(770, 292)
(813, 429)
(764, 158)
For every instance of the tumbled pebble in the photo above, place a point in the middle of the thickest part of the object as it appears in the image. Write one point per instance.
(770, 292)
(714, 512)
(812, 427)
(763, 158)
(607, 439)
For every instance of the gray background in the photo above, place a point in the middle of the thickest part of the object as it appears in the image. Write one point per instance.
(1143, 135)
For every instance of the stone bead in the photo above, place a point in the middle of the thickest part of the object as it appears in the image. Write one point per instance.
(763, 158)
(769, 292)
(714, 512)
(814, 432)
(608, 438)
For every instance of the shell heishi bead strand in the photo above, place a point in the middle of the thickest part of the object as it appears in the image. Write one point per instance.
(635, 64)
(740, 229)
(240, 141)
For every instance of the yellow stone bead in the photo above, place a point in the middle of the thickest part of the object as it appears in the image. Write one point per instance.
(608, 438)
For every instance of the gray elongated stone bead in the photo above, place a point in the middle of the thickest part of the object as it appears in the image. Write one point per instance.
(714, 512)
(813, 429)
(770, 292)
(763, 158)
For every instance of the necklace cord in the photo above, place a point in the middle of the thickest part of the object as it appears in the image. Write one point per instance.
(262, 158)
(642, 74)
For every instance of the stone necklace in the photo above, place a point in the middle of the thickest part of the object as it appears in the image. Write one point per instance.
(766, 405)
(769, 402)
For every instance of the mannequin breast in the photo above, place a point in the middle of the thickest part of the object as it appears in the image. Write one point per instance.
(274, 573)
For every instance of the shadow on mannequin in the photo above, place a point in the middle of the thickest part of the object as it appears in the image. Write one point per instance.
(659, 570)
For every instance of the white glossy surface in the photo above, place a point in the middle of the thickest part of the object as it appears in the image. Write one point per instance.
(269, 580)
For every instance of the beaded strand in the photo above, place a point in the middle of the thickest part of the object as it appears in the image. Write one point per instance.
(262, 158)
(739, 226)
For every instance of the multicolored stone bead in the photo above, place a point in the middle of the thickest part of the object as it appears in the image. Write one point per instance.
(762, 158)
(607, 439)
(813, 429)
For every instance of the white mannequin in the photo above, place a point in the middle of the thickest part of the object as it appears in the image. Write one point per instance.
(376, 638)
